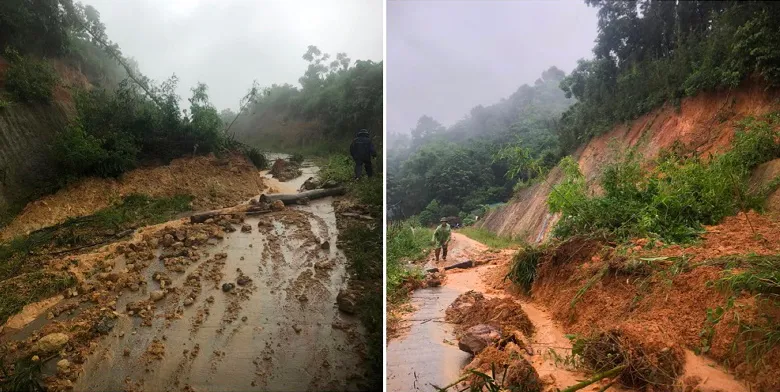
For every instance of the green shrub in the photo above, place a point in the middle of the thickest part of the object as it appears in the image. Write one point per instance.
(404, 242)
(258, 159)
(29, 80)
(297, 158)
(523, 268)
(674, 199)
(82, 154)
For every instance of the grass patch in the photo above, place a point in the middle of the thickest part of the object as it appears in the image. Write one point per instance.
(363, 248)
(31, 287)
(489, 238)
(524, 265)
(367, 191)
(404, 242)
(25, 376)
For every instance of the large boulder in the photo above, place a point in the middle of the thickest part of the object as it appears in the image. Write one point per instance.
(478, 337)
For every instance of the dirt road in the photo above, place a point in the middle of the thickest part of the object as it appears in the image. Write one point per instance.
(252, 308)
(426, 354)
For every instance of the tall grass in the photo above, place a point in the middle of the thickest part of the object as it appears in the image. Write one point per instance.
(404, 242)
(489, 238)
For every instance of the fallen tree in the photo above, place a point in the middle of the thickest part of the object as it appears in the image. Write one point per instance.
(297, 197)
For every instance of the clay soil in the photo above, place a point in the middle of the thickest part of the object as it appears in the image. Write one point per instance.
(663, 310)
(214, 183)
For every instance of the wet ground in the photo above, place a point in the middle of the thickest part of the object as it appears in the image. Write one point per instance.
(277, 329)
(427, 355)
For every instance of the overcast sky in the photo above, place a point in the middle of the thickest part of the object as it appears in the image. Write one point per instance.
(229, 43)
(445, 57)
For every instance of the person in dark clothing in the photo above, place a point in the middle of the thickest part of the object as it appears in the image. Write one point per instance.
(362, 150)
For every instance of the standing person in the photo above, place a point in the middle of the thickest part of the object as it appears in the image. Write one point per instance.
(441, 238)
(362, 150)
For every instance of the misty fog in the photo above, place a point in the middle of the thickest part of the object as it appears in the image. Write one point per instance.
(229, 43)
(446, 57)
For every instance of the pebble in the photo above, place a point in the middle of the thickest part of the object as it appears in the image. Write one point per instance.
(188, 301)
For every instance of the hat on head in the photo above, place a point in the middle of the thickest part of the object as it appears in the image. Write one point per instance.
(443, 220)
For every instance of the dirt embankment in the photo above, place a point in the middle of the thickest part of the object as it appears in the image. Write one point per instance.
(704, 124)
(214, 183)
(662, 299)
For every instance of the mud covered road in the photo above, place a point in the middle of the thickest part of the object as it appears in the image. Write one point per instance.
(238, 303)
(426, 353)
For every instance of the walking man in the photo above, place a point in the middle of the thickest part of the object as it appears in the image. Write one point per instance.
(362, 150)
(441, 238)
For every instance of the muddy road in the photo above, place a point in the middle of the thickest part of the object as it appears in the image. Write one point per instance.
(426, 353)
(250, 307)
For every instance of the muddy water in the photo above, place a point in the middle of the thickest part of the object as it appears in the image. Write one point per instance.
(281, 332)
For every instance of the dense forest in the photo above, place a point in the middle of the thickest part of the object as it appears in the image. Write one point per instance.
(337, 98)
(648, 53)
(438, 171)
(124, 119)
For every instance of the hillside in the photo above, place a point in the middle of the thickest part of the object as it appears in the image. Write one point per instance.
(703, 124)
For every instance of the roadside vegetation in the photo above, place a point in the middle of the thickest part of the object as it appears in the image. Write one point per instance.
(361, 242)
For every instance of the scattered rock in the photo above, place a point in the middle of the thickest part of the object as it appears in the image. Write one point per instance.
(51, 343)
(167, 240)
(228, 286)
(126, 352)
(63, 365)
(243, 280)
(296, 328)
(157, 295)
(309, 184)
(347, 301)
(105, 325)
(476, 338)
(244, 319)
(246, 228)
(325, 245)
(35, 358)
(188, 301)
(277, 205)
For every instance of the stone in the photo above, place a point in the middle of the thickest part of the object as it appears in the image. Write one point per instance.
(105, 325)
(246, 228)
(296, 328)
(157, 295)
(167, 240)
(478, 337)
(277, 205)
(243, 280)
(51, 343)
(325, 245)
(63, 365)
(227, 287)
(347, 301)
(188, 301)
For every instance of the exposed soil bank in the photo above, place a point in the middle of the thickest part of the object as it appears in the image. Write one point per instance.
(703, 124)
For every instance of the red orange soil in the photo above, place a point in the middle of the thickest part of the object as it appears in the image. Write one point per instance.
(213, 182)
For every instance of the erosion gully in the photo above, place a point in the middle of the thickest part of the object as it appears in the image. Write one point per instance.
(284, 333)
(426, 354)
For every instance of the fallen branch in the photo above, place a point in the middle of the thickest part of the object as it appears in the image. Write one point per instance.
(596, 378)
(354, 215)
(295, 198)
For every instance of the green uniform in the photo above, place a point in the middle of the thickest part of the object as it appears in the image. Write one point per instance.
(442, 234)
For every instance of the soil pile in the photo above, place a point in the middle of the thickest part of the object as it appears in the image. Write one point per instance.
(214, 183)
(284, 170)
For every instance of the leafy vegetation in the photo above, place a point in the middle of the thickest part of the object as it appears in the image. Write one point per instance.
(337, 98)
(28, 79)
(437, 171)
(651, 52)
(523, 267)
(674, 198)
(404, 242)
